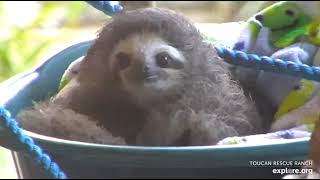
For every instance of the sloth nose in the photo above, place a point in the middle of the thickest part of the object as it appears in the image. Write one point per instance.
(146, 69)
(149, 73)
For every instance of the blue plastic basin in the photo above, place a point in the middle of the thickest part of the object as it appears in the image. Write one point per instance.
(84, 160)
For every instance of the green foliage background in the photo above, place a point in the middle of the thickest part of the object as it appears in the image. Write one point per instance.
(21, 47)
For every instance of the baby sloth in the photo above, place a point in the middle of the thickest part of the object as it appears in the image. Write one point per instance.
(148, 79)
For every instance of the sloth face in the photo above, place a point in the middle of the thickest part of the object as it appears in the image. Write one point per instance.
(149, 68)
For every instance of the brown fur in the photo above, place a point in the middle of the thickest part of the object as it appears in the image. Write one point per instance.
(209, 105)
(54, 120)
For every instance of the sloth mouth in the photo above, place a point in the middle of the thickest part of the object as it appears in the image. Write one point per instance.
(151, 78)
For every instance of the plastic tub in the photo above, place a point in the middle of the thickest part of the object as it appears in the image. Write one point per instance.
(84, 160)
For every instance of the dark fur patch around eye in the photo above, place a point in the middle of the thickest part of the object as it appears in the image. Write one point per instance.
(165, 60)
(123, 60)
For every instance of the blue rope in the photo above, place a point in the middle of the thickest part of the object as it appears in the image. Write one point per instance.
(265, 63)
(107, 7)
(43, 160)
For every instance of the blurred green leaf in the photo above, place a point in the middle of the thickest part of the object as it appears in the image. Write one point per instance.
(20, 47)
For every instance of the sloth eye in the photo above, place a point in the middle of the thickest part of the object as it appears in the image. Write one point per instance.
(289, 12)
(123, 60)
(164, 60)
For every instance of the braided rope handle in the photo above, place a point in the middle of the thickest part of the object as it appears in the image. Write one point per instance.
(43, 160)
(268, 64)
(107, 7)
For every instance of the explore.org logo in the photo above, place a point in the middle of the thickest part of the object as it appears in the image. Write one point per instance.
(285, 167)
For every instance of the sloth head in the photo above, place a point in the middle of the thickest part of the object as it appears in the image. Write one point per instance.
(148, 53)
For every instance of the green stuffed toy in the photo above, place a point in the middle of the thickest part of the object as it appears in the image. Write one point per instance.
(70, 73)
(313, 33)
(297, 97)
(288, 22)
(287, 30)
(300, 109)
